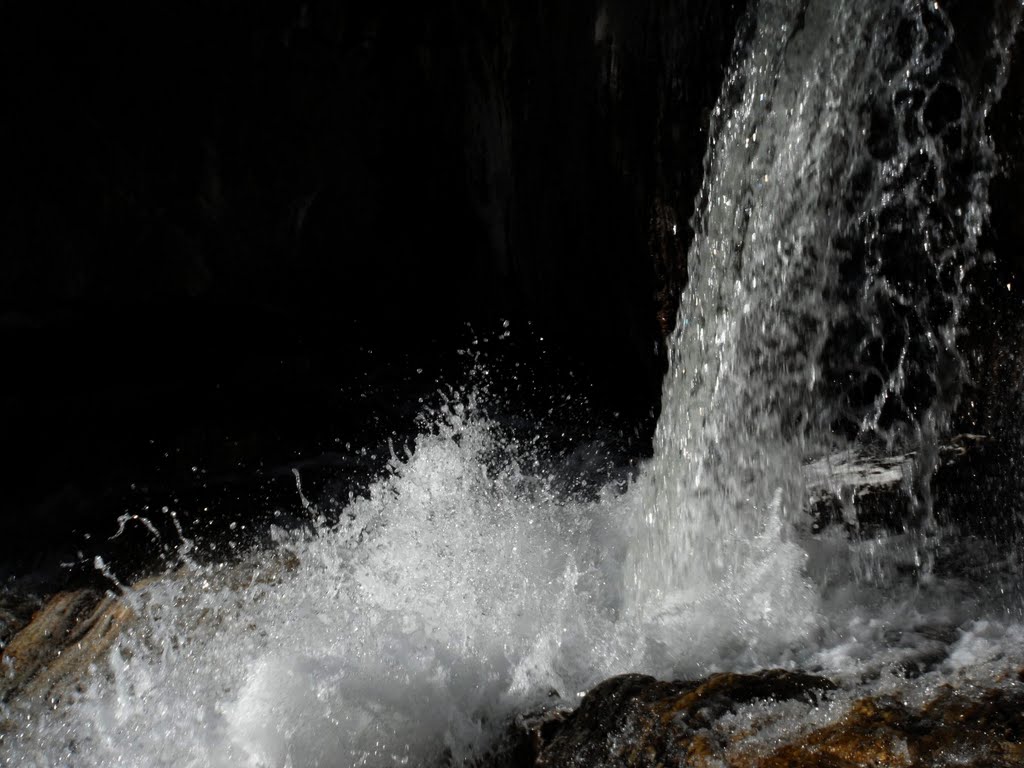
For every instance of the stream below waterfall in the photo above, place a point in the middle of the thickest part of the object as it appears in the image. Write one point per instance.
(845, 193)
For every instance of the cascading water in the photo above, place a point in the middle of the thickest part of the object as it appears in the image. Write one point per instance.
(845, 189)
(840, 212)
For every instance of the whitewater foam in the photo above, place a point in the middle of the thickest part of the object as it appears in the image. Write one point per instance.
(460, 592)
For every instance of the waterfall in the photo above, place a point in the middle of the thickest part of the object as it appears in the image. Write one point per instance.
(845, 190)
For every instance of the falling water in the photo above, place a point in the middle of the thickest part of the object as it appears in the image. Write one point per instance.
(845, 191)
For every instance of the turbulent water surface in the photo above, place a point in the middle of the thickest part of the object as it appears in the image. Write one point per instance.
(845, 191)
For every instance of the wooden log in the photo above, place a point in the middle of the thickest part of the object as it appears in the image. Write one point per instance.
(865, 489)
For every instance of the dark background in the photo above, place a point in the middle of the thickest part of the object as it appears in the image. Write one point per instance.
(233, 232)
(237, 236)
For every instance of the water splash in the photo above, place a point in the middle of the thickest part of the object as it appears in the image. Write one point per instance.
(414, 627)
(461, 591)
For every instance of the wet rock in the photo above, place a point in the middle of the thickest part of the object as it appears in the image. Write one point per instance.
(637, 721)
(55, 651)
(953, 729)
(64, 637)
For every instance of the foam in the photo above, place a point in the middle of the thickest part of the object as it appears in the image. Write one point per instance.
(453, 597)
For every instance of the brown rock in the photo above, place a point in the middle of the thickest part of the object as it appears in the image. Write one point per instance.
(871, 734)
(66, 635)
(961, 728)
(635, 721)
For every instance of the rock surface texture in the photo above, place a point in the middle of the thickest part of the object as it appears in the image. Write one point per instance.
(768, 720)
(55, 650)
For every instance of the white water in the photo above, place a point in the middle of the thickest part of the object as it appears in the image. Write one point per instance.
(463, 590)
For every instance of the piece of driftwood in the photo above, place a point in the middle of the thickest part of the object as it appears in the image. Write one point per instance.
(860, 487)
